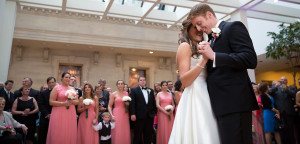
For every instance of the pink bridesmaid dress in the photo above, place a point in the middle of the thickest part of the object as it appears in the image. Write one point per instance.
(121, 133)
(86, 133)
(178, 103)
(164, 128)
(63, 121)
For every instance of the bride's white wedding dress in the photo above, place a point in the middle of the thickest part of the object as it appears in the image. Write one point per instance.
(195, 122)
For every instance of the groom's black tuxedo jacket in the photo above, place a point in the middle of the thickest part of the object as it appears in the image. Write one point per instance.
(138, 104)
(229, 85)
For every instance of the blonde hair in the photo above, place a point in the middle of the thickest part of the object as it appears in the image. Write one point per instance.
(2, 99)
(200, 10)
(105, 114)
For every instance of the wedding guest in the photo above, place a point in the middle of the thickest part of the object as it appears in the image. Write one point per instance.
(127, 88)
(142, 111)
(8, 95)
(27, 83)
(283, 96)
(104, 127)
(63, 122)
(45, 110)
(103, 103)
(25, 110)
(297, 107)
(88, 117)
(9, 135)
(1, 85)
(178, 92)
(44, 87)
(165, 118)
(257, 120)
(157, 89)
(268, 114)
(170, 89)
(105, 91)
(121, 133)
(73, 84)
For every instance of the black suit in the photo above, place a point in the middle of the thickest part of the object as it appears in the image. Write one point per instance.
(144, 113)
(284, 103)
(229, 85)
(45, 109)
(32, 93)
(8, 102)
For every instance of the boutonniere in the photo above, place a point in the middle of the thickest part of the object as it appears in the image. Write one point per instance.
(149, 90)
(216, 32)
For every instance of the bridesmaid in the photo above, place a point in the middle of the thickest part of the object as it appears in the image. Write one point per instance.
(178, 92)
(121, 133)
(63, 122)
(165, 125)
(86, 133)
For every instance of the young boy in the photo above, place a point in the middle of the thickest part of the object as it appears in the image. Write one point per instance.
(104, 127)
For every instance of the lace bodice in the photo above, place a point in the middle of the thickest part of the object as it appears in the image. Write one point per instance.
(194, 61)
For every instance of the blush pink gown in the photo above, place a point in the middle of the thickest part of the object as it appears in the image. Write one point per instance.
(164, 127)
(178, 103)
(121, 133)
(63, 121)
(86, 133)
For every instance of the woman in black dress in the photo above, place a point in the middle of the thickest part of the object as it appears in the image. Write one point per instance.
(25, 110)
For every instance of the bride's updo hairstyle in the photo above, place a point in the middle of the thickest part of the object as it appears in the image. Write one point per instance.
(184, 36)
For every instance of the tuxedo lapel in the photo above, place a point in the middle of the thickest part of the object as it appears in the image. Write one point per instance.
(221, 25)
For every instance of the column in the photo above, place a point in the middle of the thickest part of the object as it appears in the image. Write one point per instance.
(8, 11)
(241, 15)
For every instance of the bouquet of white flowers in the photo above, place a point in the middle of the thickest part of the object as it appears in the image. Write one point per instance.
(126, 99)
(70, 94)
(87, 102)
(168, 109)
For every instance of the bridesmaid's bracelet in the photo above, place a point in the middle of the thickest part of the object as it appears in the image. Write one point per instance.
(198, 65)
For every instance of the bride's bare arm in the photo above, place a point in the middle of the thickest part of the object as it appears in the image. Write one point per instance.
(183, 59)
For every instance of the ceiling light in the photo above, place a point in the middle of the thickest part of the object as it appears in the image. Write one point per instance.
(133, 69)
(275, 1)
(151, 52)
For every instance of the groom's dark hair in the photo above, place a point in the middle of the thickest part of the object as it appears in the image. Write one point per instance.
(200, 10)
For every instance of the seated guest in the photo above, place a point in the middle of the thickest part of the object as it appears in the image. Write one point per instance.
(25, 110)
(104, 128)
(8, 95)
(27, 83)
(8, 134)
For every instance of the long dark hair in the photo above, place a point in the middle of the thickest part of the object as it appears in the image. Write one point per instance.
(184, 36)
(92, 91)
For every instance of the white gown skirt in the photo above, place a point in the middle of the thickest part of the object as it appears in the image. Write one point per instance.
(195, 122)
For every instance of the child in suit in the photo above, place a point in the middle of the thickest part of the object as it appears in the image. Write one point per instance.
(104, 127)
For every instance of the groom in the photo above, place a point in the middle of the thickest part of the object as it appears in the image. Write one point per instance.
(231, 53)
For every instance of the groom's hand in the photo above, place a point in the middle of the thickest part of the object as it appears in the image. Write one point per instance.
(205, 49)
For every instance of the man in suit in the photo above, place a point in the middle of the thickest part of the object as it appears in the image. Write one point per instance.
(231, 53)
(27, 83)
(142, 111)
(45, 110)
(283, 96)
(7, 95)
(72, 83)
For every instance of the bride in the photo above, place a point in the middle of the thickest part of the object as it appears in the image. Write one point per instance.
(195, 122)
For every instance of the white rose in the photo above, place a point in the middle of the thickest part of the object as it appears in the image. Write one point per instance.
(87, 101)
(70, 94)
(216, 30)
(126, 98)
(168, 107)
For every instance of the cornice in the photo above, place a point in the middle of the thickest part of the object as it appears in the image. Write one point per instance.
(67, 37)
(92, 17)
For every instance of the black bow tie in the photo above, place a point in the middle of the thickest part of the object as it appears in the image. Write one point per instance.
(144, 88)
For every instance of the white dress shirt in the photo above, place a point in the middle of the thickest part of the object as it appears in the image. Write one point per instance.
(99, 127)
(214, 62)
(145, 93)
